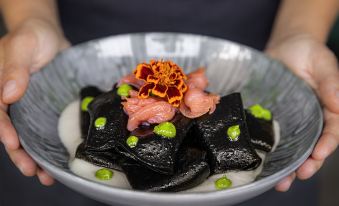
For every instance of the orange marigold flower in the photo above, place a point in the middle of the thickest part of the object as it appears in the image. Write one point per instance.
(164, 79)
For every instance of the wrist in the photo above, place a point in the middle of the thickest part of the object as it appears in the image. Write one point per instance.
(275, 41)
(310, 18)
(18, 12)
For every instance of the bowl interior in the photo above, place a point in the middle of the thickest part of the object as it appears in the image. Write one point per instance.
(230, 67)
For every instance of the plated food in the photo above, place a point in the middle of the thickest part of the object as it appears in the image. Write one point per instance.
(52, 101)
(158, 129)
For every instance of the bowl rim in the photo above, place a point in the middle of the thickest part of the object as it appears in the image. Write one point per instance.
(182, 196)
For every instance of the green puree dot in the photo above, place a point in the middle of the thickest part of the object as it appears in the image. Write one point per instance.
(132, 141)
(123, 90)
(100, 122)
(233, 132)
(165, 129)
(261, 113)
(85, 102)
(104, 174)
(223, 183)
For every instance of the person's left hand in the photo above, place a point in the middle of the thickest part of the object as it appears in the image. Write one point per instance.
(312, 61)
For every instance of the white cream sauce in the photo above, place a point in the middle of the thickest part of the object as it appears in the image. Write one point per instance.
(70, 135)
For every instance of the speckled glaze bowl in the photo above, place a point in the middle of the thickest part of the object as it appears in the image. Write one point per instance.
(230, 67)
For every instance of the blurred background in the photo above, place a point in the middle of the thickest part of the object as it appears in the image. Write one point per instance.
(14, 190)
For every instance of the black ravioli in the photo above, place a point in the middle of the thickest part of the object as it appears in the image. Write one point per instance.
(261, 132)
(211, 129)
(99, 146)
(107, 105)
(191, 170)
(153, 151)
(89, 91)
(108, 158)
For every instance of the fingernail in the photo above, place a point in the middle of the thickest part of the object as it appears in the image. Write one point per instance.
(9, 89)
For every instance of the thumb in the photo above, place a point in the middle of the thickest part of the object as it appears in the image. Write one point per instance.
(15, 82)
(17, 55)
(326, 76)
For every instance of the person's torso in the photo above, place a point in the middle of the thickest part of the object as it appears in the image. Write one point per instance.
(245, 21)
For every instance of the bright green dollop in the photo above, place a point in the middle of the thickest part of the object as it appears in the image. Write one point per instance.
(132, 141)
(100, 122)
(85, 102)
(104, 174)
(223, 183)
(261, 113)
(123, 90)
(233, 132)
(165, 129)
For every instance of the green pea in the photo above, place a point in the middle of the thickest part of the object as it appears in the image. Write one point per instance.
(132, 141)
(233, 132)
(100, 122)
(223, 183)
(104, 174)
(85, 102)
(165, 129)
(261, 113)
(123, 90)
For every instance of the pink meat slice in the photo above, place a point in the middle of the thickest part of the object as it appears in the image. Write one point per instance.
(133, 103)
(152, 110)
(130, 79)
(157, 112)
(197, 103)
(133, 93)
(197, 79)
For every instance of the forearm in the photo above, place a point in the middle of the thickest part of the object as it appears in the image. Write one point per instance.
(309, 17)
(15, 12)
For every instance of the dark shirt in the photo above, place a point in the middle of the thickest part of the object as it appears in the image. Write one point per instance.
(245, 21)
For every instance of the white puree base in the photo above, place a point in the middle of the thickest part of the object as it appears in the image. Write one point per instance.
(70, 135)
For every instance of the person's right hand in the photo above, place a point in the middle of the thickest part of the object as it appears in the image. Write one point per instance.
(23, 51)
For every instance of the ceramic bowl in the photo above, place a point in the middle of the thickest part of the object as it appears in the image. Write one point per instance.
(229, 66)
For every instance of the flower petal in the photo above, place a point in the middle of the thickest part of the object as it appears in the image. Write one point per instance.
(160, 90)
(183, 88)
(155, 65)
(143, 71)
(180, 73)
(145, 90)
(176, 103)
(180, 84)
(152, 79)
(173, 76)
(173, 94)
